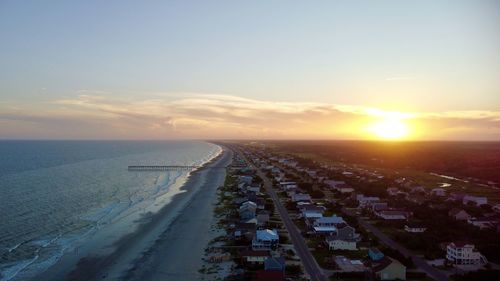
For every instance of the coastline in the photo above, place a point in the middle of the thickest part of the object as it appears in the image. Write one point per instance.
(120, 258)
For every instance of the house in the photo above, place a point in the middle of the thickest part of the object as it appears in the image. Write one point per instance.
(327, 225)
(332, 184)
(288, 185)
(456, 196)
(417, 189)
(459, 214)
(245, 179)
(254, 257)
(438, 192)
(483, 222)
(301, 197)
(344, 188)
(463, 253)
(334, 242)
(263, 275)
(247, 210)
(496, 208)
(393, 215)
(274, 264)
(254, 187)
(375, 254)
(415, 228)
(363, 201)
(345, 238)
(392, 191)
(329, 221)
(378, 206)
(265, 240)
(311, 211)
(348, 265)
(476, 200)
(244, 231)
(262, 217)
(390, 269)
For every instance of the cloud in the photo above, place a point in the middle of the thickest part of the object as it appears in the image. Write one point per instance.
(95, 114)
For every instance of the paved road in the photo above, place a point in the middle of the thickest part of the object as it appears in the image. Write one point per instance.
(312, 268)
(418, 261)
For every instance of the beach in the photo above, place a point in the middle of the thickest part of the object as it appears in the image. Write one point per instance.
(169, 244)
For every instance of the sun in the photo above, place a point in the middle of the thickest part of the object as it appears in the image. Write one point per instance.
(390, 129)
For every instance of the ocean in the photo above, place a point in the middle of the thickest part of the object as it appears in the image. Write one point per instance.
(56, 195)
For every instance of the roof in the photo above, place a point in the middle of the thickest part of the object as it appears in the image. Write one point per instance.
(325, 228)
(274, 263)
(267, 234)
(460, 244)
(415, 225)
(336, 238)
(455, 211)
(249, 253)
(263, 275)
(333, 219)
(385, 262)
(375, 251)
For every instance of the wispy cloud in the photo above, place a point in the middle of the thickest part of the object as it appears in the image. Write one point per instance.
(95, 114)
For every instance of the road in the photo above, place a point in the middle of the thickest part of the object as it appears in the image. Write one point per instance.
(311, 267)
(418, 261)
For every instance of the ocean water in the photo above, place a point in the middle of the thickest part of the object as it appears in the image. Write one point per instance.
(56, 194)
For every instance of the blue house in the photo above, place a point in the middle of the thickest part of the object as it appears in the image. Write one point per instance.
(375, 254)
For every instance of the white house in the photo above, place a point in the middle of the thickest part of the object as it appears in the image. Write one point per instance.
(265, 240)
(335, 243)
(474, 199)
(461, 253)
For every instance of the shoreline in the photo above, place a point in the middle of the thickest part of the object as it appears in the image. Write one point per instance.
(117, 258)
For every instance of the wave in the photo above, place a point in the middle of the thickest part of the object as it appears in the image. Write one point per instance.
(50, 250)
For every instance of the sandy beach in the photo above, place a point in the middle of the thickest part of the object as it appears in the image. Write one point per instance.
(169, 245)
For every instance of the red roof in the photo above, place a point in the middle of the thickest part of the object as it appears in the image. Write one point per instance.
(263, 275)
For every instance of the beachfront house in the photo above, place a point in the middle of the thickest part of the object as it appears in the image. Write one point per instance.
(265, 239)
(247, 210)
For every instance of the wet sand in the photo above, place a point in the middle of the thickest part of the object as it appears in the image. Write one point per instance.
(169, 245)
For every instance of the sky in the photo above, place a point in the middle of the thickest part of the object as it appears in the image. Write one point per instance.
(249, 69)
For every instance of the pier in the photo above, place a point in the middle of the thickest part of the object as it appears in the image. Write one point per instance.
(162, 168)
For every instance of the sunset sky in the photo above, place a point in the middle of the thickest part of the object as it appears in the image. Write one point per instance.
(250, 69)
